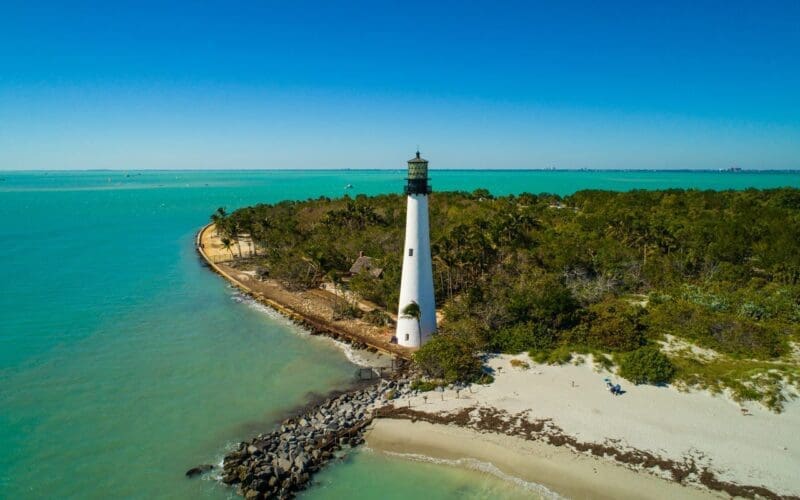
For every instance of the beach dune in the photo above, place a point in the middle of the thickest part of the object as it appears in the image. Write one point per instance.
(756, 448)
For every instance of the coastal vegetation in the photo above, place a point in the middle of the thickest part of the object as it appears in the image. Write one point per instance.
(698, 288)
(646, 365)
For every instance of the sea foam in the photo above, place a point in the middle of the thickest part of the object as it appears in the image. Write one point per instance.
(480, 466)
(358, 357)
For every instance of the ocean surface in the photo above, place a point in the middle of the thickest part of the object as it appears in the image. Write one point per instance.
(124, 362)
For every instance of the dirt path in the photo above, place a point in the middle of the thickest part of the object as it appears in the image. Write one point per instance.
(312, 308)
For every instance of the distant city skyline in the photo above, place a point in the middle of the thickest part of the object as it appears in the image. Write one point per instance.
(305, 85)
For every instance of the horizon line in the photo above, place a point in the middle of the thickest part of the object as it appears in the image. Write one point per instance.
(728, 170)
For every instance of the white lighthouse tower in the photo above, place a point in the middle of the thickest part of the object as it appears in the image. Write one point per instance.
(416, 317)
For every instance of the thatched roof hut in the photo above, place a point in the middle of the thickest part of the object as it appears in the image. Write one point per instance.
(365, 264)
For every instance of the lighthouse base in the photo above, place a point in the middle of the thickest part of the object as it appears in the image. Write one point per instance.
(409, 333)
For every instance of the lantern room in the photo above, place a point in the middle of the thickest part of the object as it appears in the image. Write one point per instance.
(417, 180)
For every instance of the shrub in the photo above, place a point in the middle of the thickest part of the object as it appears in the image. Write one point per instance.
(423, 385)
(727, 332)
(555, 357)
(539, 356)
(518, 363)
(560, 356)
(522, 337)
(646, 365)
(537, 299)
(450, 357)
(343, 309)
(378, 318)
(604, 361)
(614, 324)
(698, 296)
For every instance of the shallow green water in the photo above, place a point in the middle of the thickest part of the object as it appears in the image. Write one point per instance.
(367, 474)
(123, 361)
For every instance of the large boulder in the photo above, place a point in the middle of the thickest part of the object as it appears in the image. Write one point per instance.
(260, 485)
(200, 469)
(245, 476)
(284, 464)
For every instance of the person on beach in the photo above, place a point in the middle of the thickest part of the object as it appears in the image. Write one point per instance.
(614, 389)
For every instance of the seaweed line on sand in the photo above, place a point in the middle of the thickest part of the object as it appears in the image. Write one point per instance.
(688, 471)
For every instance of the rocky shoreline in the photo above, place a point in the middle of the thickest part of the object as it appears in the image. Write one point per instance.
(281, 463)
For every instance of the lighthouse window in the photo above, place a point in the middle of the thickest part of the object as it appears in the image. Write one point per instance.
(410, 252)
(406, 336)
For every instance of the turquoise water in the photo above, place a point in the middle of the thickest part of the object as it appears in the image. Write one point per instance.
(123, 361)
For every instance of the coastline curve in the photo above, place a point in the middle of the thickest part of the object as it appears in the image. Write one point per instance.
(316, 325)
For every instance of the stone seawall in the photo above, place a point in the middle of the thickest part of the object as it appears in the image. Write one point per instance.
(281, 463)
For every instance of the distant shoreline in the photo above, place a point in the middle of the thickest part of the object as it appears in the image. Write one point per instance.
(367, 169)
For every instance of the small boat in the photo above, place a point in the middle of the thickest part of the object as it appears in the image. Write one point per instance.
(349, 186)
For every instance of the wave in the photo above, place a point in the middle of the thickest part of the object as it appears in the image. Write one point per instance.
(250, 302)
(358, 357)
(480, 466)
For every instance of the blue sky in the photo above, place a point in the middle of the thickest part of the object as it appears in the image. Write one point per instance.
(298, 84)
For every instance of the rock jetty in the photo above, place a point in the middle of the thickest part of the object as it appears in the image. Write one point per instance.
(281, 463)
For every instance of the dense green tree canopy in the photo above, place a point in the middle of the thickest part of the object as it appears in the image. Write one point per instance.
(612, 271)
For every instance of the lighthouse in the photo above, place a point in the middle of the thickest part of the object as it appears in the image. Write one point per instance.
(416, 316)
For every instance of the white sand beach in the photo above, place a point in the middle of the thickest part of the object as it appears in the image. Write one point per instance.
(562, 472)
(758, 449)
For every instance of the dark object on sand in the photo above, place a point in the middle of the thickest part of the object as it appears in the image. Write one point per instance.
(615, 389)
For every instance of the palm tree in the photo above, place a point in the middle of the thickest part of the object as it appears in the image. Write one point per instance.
(233, 232)
(217, 217)
(413, 311)
(260, 232)
(227, 244)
